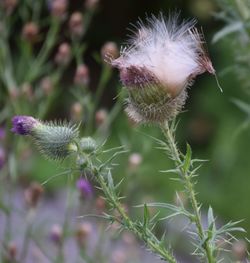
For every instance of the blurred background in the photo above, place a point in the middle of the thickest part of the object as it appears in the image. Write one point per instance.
(52, 67)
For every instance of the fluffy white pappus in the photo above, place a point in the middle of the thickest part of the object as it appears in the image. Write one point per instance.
(163, 51)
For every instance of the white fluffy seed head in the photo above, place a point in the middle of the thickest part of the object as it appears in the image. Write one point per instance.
(165, 55)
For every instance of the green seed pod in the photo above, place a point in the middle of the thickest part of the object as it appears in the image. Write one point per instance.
(88, 145)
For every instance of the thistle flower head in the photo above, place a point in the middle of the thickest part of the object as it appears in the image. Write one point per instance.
(160, 62)
(84, 187)
(23, 125)
(53, 139)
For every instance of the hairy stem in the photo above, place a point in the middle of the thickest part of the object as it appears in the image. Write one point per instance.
(186, 177)
(149, 238)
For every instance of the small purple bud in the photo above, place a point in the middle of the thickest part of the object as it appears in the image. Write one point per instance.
(56, 234)
(23, 125)
(84, 188)
(2, 157)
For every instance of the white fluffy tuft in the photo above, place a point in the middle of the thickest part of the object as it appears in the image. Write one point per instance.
(171, 51)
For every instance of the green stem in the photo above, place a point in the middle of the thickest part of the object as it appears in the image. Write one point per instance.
(104, 78)
(149, 238)
(187, 181)
(27, 235)
(35, 68)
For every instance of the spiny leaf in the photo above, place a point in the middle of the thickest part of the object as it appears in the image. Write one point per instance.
(145, 216)
(211, 219)
(110, 180)
(229, 29)
(243, 106)
(187, 161)
(230, 227)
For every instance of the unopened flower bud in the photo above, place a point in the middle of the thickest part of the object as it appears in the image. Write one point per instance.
(58, 8)
(9, 5)
(83, 232)
(162, 61)
(63, 54)
(88, 144)
(27, 91)
(24, 125)
(76, 112)
(47, 85)
(14, 93)
(100, 204)
(12, 251)
(33, 194)
(76, 25)
(30, 32)
(84, 187)
(101, 117)
(239, 249)
(134, 161)
(54, 140)
(118, 256)
(81, 161)
(2, 157)
(56, 234)
(82, 75)
(109, 51)
(91, 4)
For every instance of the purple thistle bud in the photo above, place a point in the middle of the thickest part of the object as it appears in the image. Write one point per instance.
(84, 187)
(23, 125)
(55, 140)
(56, 234)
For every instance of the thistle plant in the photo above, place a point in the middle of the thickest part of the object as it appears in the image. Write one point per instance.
(158, 66)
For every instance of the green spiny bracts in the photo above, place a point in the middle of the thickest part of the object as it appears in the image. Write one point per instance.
(88, 145)
(152, 104)
(55, 140)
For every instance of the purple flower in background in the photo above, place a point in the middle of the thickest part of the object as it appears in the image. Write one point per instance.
(23, 125)
(2, 133)
(56, 234)
(2, 157)
(84, 187)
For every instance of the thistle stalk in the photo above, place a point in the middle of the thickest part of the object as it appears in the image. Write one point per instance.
(186, 178)
(149, 238)
(146, 235)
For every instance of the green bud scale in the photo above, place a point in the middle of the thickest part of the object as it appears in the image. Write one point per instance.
(88, 145)
(55, 139)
